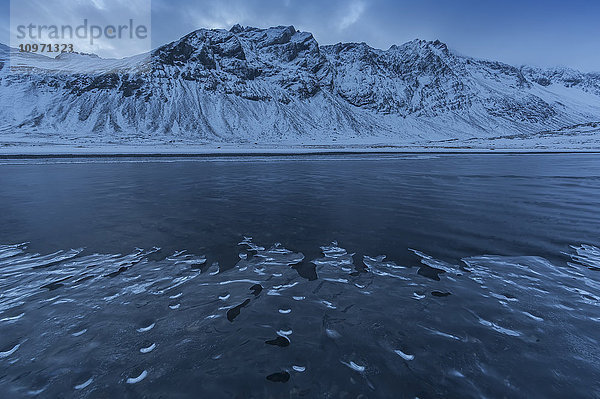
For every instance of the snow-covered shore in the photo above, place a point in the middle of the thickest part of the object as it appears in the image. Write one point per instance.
(576, 145)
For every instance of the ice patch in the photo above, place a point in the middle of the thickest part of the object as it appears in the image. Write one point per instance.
(536, 318)
(138, 378)
(456, 373)
(84, 385)
(148, 328)
(331, 333)
(498, 328)
(13, 318)
(354, 366)
(418, 297)
(10, 352)
(403, 355)
(442, 334)
(148, 349)
(336, 280)
(586, 255)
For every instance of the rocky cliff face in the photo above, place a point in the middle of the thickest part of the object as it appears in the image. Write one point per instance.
(279, 85)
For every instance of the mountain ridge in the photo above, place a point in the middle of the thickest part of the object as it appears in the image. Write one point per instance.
(279, 85)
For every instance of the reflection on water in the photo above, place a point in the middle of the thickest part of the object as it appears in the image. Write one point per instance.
(148, 323)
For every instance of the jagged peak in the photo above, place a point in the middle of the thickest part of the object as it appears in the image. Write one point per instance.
(76, 54)
(412, 45)
(267, 37)
(424, 44)
(350, 46)
(237, 28)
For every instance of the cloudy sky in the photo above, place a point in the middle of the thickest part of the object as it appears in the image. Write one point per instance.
(544, 33)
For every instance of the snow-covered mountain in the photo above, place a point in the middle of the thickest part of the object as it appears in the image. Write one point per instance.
(278, 85)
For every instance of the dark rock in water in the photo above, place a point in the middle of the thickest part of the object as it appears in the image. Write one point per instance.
(235, 312)
(306, 270)
(430, 272)
(279, 377)
(279, 341)
(256, 289)
(197, 266)
(440, 294)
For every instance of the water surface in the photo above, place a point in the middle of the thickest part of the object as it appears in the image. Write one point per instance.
(387, 276)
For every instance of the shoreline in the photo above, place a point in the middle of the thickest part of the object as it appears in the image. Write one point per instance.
(280, 153)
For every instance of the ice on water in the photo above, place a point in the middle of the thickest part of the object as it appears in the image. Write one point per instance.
(136, 306)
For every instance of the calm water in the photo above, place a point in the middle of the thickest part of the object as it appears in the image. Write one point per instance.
(334, 277)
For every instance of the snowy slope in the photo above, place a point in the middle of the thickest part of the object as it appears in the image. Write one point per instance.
(278, 85)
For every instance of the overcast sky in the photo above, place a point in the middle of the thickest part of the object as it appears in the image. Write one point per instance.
(544, 33)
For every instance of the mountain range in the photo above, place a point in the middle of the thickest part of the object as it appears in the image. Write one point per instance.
(278, 85)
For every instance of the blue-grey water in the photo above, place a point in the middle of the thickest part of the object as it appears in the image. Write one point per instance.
(307, 277)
